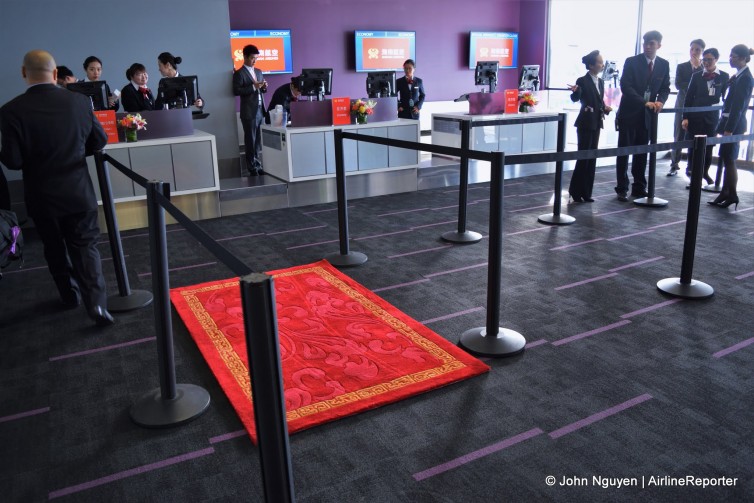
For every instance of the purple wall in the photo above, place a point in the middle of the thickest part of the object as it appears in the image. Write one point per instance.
(322, 36)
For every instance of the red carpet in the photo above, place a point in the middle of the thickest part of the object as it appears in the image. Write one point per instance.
(344, 350)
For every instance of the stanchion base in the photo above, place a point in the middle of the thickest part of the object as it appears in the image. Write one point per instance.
(137, 300)
(505, 343)
(553, 219)
(712, 188)
(152, 411)
(464, 238)
(694, 290)
(651, 202)
(351, 259)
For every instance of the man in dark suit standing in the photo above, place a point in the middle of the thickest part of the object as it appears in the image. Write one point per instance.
(410, 91)
(249, 84)
(57, 187)
(645, 86)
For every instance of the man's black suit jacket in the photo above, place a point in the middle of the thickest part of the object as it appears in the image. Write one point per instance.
(134, 101)
(592, 103)
(697, 95)
(47, 132)
(244, 87)
(415, 93)
(634, 81)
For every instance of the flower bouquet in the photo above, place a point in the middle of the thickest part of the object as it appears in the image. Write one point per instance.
(526, 101)
(132, 123)
(361, 109)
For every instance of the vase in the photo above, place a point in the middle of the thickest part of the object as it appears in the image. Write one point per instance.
(361, 118)
(526, 108)
(130, 135)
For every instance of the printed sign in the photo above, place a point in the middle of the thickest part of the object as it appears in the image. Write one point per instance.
(341, 111)
(511, 101)
(109, 124)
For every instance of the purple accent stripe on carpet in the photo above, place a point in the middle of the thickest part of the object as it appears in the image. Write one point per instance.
(531, 208)
(453, 315)
(733, 348)
(228, 436)
(599, 416)
(382, 235)
(205, 264)
(399, 285)
(433, 225)
(22, 415)
(450, 271)
(616, 238)
(590, 333)
(297, 230)
(576, 244)
(530, 230)
(420, 251)
(401, 212)
(745, 209)
(535, 193)
(130, 473)
(444, 207)
(585, 281)
(241, 237)
(634, 264)
(26, 269)
(745, 275)
(104, 348)
(650, 308)
(669, 223)
(323, 211)
(146, 234)
(614, 212)
(473, 456)
(313, 244)
(536, 343)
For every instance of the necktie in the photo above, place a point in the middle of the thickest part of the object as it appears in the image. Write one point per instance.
(708, 75)
(651, 67)
(144, 91)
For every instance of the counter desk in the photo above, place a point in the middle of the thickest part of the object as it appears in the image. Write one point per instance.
(511, 138)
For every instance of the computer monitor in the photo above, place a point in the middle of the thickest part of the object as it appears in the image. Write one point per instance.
(485, 74)
(315, 82)
(178, 92)
(381, 84)
(96, 91)
(529, 78)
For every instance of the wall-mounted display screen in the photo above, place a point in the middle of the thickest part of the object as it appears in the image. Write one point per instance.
(384, 50)
(274, 49)
(493, 46)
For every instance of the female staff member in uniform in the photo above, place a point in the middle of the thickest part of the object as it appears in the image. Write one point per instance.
(93, 68)
(167, 64)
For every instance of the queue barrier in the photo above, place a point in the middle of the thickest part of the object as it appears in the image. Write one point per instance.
(173, 404)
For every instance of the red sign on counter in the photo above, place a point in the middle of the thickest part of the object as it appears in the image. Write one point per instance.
(107, 119)
(511, 101)
(341, 111)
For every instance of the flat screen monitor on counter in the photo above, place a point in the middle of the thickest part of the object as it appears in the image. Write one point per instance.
(315, 82)
(485, 74)
(178, 92)
(383, 50)
(96, 91)
(381, 84)
(274, 49)
(493, 46)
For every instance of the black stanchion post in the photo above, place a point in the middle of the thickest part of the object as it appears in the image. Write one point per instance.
(263, 350)
(345, 258)
(171, 404)
(494, 340)
(652, 201)
(718, 185)
(462, 236)
(556, 218)
(127, 299)
(685, 287)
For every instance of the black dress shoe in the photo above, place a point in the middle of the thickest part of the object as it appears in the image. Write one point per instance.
(622, 196)
(639, 193)
(101, 317)
(588, 200)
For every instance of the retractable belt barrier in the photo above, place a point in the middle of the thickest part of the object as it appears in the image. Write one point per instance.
(172, 404)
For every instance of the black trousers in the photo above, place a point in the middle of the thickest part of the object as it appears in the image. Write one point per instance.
(70, 248)
(4, 192)
(582, 180)
(629, 136)
(252, 139)
(709, 132)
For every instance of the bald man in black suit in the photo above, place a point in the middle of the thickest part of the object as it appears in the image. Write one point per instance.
(47, 132)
